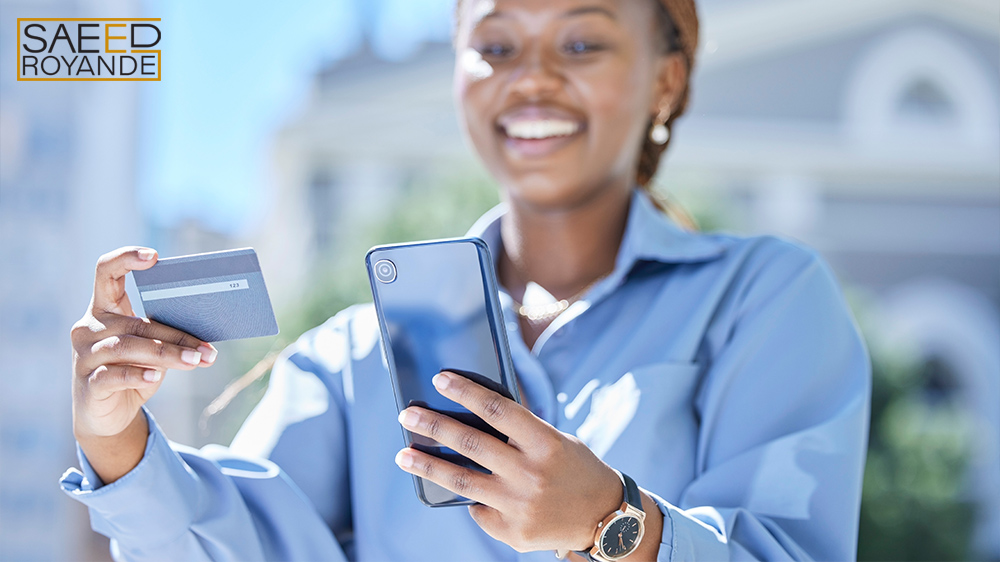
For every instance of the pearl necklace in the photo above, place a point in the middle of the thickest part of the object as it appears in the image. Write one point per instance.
(541, 313)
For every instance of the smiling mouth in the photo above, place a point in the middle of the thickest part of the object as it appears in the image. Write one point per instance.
(539, 137)
(535, 129)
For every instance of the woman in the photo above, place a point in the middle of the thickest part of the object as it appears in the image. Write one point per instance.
(722, 375)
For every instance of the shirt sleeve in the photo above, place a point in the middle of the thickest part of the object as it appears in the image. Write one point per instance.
(220, 503)
(784, 414)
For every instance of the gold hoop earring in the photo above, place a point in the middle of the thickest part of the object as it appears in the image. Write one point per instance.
(659, 133)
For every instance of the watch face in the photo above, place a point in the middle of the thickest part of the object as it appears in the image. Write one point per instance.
(619, 536)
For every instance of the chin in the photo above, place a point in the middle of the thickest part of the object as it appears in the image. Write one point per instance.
(548, 191)
(544, 178)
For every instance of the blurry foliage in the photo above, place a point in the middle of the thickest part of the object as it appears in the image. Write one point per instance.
(913, 507)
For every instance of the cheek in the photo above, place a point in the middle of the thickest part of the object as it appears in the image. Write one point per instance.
(618, 104)
(475, 102)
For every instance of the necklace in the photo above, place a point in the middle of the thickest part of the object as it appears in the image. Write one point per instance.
(541, 313)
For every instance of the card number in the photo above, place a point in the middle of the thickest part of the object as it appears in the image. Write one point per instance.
(190, 290)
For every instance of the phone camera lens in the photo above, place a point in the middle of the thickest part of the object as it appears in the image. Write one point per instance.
(385, 271)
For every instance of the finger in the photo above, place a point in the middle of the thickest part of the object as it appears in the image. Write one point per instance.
(133, 350)
(106, 380)
(489, 520)
(109, 279)
(469, 442)
(466, 482)
(151, 329)
(503, 414)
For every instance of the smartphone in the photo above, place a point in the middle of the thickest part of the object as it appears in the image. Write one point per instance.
(438, 310)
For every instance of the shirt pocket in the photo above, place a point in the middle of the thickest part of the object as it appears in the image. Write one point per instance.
(644, 424)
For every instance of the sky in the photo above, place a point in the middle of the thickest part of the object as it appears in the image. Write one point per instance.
(233, 73)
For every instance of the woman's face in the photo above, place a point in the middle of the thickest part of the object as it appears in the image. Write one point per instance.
(556, 96)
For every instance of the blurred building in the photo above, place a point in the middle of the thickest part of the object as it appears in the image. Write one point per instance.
(868, 130)
(67, 153)
(67, 195)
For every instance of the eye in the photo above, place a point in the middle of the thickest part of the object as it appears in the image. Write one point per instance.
(581, 47)
(495, 50)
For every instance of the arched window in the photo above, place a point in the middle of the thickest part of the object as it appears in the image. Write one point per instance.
(924, 101)
(921, 88)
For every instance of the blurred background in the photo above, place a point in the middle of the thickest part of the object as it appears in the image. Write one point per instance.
(313, 130)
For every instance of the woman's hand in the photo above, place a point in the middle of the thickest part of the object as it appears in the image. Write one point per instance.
(548, 490)
(118, 364)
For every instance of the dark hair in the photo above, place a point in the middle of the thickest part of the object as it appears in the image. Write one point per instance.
(651, 153)
(649, 159)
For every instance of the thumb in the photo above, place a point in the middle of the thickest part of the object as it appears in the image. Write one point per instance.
(109, 278)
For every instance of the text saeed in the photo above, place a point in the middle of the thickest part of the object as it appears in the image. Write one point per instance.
(88, 49)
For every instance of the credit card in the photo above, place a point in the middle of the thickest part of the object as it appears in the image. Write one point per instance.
(215, 296)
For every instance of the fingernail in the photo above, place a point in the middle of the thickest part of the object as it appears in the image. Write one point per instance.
(207, 353)
(409, 418)
(146, 255)
(192, 357)
(150, 375)
(403, 459)
(441, 380)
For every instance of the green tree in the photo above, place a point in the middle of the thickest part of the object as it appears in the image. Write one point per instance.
(914, 505)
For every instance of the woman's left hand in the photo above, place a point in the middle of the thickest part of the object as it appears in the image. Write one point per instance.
(548, 490)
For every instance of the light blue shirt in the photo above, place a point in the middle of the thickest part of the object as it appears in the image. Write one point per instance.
(724, 374)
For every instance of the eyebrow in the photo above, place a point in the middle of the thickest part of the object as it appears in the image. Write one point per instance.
(590, 10)
(574, 12)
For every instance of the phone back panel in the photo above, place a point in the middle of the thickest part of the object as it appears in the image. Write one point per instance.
(440, 312)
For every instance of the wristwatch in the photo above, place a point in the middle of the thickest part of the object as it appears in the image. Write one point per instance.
(620, 532)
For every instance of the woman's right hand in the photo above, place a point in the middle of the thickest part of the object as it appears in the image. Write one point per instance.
(118, 364)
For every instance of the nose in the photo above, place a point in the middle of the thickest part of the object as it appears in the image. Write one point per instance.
(536, 76)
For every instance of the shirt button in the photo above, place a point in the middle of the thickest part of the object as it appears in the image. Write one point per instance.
(562, 397)
(512, 326)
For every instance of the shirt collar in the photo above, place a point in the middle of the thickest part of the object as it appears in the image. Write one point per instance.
(649, 235)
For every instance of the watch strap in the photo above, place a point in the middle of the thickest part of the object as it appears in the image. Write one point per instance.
(632, 496)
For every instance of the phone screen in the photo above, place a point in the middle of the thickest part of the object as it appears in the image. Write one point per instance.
(436, 304)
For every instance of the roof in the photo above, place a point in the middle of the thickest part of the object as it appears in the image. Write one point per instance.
(737, 31)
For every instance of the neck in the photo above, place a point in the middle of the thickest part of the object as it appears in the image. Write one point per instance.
(564, 249)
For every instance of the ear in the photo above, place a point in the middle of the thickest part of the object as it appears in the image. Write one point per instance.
(671, 78)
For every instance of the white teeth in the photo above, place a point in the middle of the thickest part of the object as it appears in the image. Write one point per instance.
(541, 129)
